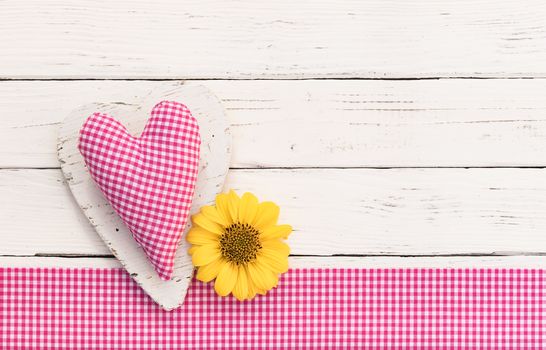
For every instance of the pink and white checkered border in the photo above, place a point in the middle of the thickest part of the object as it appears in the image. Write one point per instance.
(59, 308)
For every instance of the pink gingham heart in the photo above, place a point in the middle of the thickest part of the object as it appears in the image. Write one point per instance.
(148, 180)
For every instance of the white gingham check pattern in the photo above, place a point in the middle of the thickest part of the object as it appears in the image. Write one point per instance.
(59, 308)
(149, 180)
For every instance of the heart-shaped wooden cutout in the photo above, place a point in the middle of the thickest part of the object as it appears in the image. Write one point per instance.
(213, 167)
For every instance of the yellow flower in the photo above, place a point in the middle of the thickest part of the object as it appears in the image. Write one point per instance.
(238, 242)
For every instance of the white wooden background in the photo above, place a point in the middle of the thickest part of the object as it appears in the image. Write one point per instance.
(392, 133)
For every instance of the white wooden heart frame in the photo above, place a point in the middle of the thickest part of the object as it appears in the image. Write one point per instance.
(214, 164)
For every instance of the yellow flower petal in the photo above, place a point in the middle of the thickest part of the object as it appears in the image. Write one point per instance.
(252, 289)
(248, 208)
(212, 214)
(263, 278)
(267, 215)
(205, 254)
(202, 221)
(227, 277)
(200, 236)
(222, 207)
(192, 249)
(209, 272)
(240, 291)
(275, 261)
(256, 276)
(233, 206)
(250, 285)
(272, 277)
(275, 245)
(275, 232)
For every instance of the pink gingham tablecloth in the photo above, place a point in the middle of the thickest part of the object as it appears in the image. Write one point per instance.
(60, 308)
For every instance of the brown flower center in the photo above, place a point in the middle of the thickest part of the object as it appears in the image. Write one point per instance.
(240, 243)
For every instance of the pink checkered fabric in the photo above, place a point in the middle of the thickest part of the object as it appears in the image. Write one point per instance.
(55, 308)
(149, 180)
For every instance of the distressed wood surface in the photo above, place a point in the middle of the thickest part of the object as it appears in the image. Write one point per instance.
(333, 211)
(289, 123)
(264, 39)
(213, 167)
(331, 123)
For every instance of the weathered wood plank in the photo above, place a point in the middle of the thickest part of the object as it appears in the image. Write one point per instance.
(355, 211)
(520, 262)
(456, 122)
(264, 39)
